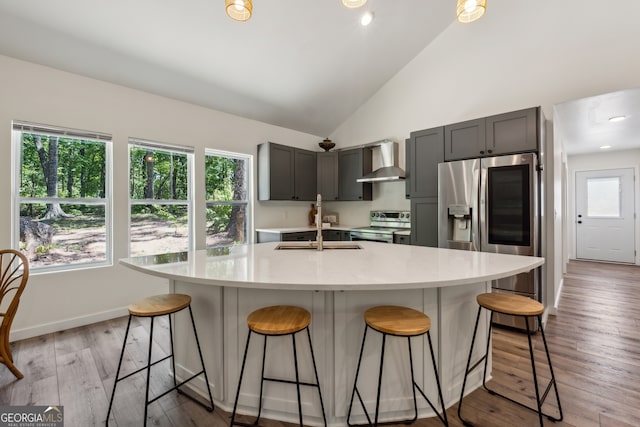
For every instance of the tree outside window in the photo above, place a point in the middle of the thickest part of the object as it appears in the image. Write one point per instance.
(62, 196)
(159, 198)
(227, 191)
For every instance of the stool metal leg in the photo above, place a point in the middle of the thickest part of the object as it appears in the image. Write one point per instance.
(176, 385)
(355, 382)
(539, 400)
(146, 399)
(414, 386)
(384, 338)
(553, 377)
(244, 361)
(115, 382)
(295, 364)
(468, 369)
(315, 370)
(263, 378)
(204, 370)
(443, 418)
(413, 383)
(264, 356)
(173, 359)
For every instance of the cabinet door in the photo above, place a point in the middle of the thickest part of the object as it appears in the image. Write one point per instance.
(352, 164)
(328, 175)
(424, 222)
(464, 140)
(331, 235)
(305, 174)
(275, 172)
(425, 149)
(304, 236)
(513, 132)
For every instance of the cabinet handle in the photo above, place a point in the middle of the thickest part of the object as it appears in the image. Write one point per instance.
(489, 151)
(481, 152)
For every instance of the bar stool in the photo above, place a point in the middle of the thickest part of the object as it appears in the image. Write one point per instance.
(515, 305)
(160, 305)
(279, 320)
(399, 322)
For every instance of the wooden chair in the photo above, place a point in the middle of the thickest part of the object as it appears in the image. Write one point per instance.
(14, 273)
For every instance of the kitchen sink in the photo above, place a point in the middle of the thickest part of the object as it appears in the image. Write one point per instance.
(314, 245)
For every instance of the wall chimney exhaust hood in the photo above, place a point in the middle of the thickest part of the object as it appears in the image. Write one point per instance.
(387, 170)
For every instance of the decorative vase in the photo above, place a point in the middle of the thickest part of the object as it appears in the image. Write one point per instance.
(327, 144)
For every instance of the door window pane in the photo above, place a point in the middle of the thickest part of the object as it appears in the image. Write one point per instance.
(603, 197)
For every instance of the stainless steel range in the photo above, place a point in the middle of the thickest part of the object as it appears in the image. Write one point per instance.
(384, 226)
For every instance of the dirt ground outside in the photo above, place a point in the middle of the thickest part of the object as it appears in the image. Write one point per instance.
(148, 237)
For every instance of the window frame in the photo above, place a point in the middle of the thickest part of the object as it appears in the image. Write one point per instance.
(18, 127)
(189, 202)
(248, 202)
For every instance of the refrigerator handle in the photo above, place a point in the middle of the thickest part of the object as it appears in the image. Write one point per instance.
(477, 208)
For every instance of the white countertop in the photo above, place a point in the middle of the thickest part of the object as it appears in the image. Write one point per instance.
(377, 266)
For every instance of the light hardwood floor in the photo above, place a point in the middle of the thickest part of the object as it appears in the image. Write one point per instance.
(594, 342)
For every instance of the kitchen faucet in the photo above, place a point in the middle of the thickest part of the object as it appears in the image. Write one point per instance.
(319, 223)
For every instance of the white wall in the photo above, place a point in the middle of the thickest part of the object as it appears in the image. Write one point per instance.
(39, 94)
(599, 161)
(520, 54)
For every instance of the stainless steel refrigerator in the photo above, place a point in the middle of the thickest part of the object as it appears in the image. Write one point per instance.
(492, 205)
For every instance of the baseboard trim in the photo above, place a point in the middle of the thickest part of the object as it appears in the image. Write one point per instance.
(47, 328)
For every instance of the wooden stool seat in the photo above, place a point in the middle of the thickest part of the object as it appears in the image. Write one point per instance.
(279, 320)
(394, 320)
(516, 305)
(159, 305)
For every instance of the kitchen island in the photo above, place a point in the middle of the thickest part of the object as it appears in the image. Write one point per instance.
(336, 286)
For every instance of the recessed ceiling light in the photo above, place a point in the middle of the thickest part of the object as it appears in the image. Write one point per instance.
(366, 19)
(617, 118)
(604, 147)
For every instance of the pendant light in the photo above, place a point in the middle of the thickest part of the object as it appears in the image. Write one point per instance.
(352, 4)
(470, 10)
(239, 10)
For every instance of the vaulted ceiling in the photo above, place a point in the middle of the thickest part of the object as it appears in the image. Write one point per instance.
(301, 64)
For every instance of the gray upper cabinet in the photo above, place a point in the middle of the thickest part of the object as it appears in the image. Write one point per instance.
(286, 173)
(328, 175)
(464, 140)
(513, 132)
(424, 150)
(305, 176)
(353, 164)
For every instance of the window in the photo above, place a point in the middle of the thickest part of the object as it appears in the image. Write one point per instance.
(63, 196)
(227, 178)
(603, 197)
(159, 198)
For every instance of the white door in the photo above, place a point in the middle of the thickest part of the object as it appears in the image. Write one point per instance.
(605, 215)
